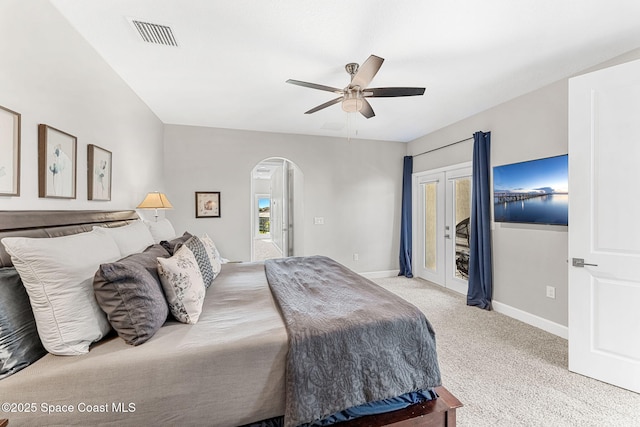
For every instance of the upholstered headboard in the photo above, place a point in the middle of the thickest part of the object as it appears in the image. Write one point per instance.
(56, 223)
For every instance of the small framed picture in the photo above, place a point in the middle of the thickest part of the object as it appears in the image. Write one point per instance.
(10, 149)
(207, 204)
(98, 173)
(56, 163)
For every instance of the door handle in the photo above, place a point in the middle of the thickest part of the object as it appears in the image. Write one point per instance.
(579, 262)
(446, 236)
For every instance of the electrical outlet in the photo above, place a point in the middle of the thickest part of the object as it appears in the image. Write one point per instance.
(551, 292)
(318, 220)
(356, 257)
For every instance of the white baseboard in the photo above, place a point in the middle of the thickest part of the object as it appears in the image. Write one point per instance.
(507, 310)
(380, 274)
(531, 319)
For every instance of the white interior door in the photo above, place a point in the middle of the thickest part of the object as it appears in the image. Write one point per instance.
(604, 230)
(278, 209)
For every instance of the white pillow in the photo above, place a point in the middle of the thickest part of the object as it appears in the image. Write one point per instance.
(131, 238)
(161, 230)
(58, 275)
(183, 285)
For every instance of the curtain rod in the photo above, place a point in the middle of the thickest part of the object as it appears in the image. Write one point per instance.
(444, 146)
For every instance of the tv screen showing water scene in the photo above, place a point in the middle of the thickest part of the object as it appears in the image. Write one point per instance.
(532, 192)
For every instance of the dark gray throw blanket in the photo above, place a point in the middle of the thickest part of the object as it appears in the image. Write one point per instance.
(350, 341)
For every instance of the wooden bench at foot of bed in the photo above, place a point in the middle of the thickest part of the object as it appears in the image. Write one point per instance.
(440, 412)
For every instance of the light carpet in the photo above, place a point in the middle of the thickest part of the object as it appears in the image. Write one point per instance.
(508, 373)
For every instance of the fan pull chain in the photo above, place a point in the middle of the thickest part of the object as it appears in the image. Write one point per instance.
(351, 122)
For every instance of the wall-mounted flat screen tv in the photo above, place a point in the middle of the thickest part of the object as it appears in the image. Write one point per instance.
(532, 192)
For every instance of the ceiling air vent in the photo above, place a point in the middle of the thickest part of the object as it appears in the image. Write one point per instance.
(155, 33)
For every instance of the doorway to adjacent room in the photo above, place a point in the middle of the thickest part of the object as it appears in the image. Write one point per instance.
(276, 209)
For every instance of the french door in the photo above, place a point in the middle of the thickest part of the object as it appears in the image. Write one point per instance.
(441, 241)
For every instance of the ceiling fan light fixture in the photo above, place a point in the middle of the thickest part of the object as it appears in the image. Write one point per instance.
(353, 97)
(352, 102)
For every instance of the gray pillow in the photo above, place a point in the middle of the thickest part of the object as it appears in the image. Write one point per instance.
(130, 293)
(172, 245)
(20, 344)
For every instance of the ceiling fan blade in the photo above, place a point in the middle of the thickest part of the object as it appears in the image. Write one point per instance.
(366, 109)
(367, 71)
(314, 86)
(325, 105)
(383, 92)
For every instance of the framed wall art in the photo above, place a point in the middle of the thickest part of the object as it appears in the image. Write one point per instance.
(207, 204)
(56, 163)
(98, 173)
(9, 152)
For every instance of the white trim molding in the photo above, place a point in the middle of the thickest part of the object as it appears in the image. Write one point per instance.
(380, 274)
(531, 319)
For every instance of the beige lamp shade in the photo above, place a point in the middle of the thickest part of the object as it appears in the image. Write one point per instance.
(155, 201)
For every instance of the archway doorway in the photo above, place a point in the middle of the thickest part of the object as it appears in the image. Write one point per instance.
(276, 209)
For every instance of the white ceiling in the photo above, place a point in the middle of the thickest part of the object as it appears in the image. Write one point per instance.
(234, 56)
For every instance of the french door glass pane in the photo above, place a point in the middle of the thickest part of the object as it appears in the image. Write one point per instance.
(430, 223)
(462, 189)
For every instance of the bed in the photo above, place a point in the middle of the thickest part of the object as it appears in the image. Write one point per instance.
(228, 369)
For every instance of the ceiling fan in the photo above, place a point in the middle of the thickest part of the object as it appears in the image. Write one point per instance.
(353, 97)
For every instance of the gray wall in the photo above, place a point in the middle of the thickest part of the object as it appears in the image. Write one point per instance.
(354, 185)
(50, 75)
(526, 258)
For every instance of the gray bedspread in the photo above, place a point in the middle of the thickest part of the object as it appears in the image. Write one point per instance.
(350, 341)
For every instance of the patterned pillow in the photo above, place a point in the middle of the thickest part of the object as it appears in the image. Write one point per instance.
(183, 285)
(211, 247)
(209, 265)
(212, 251)
(204, 264)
